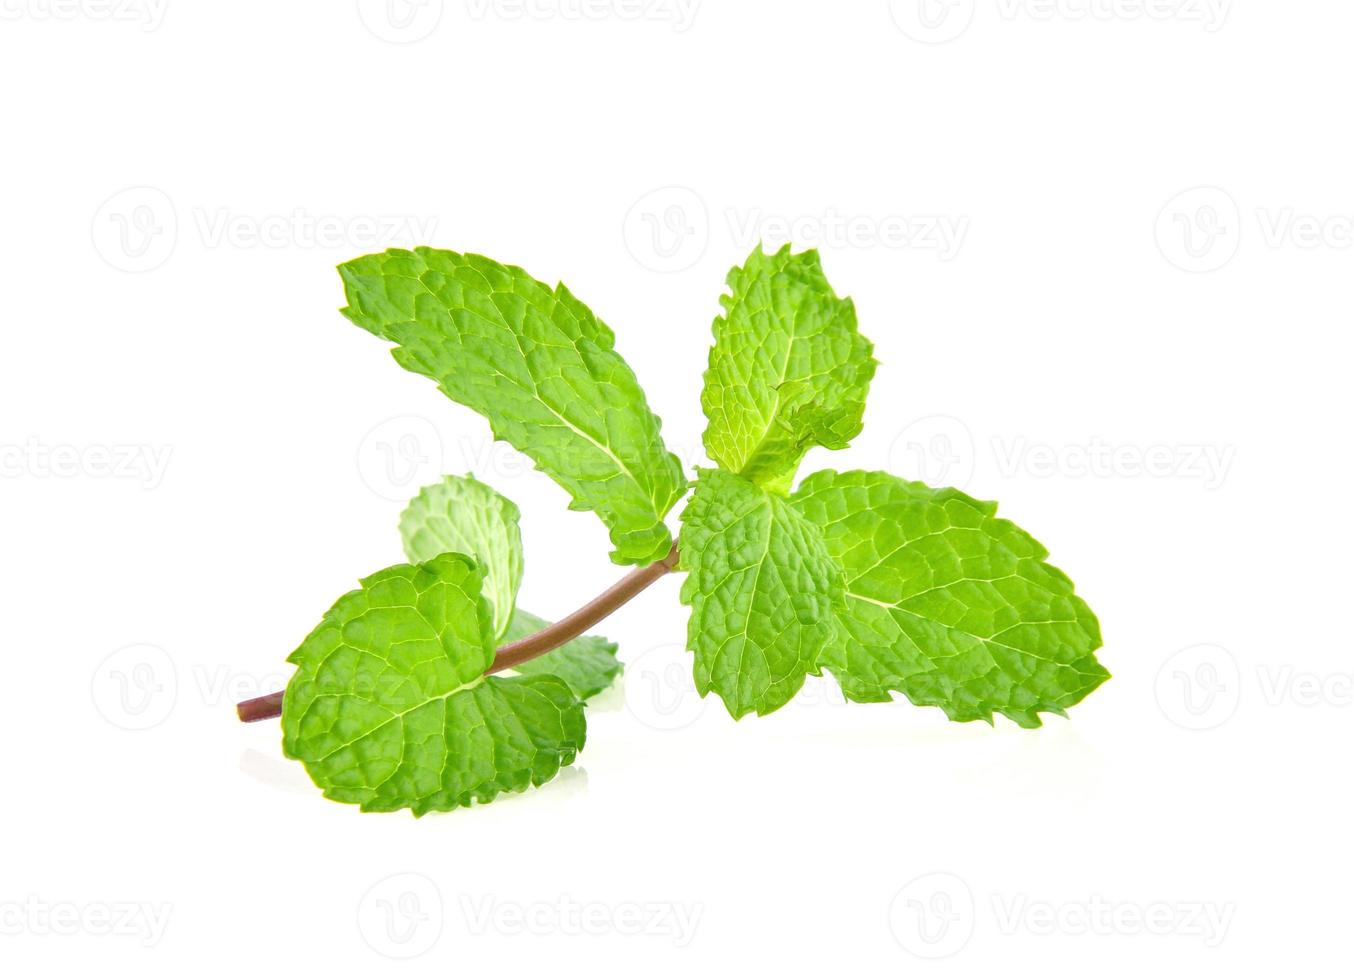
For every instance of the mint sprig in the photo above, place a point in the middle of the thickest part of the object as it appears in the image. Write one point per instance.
(400, 699)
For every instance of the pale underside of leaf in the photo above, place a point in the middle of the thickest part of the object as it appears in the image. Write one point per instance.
(389, 708)
(461, 514)
(540, 367)
(947, 603)
(464, 515)
(761, 588)
(788, 370)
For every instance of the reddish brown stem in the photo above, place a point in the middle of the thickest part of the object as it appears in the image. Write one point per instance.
(529, 647)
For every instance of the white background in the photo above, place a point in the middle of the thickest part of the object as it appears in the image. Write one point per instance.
(1134, 337)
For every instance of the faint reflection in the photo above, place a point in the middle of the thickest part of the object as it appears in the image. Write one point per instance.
(612, 699)
(275, 772)
(284, 774)
(572, 782)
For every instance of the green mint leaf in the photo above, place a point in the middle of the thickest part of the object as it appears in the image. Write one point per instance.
(761, 587)
(947, 603)
(462, 514)
(540, 367)
(587, 664)
(788, 369)
(389, 708)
